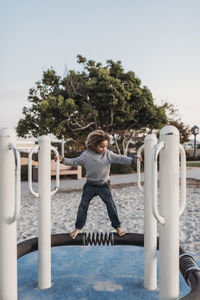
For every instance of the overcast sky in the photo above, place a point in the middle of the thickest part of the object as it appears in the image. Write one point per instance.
(159, 40)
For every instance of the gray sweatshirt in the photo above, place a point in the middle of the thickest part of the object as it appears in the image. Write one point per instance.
(98, 165)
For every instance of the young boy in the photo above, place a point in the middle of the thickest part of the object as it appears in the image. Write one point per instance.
(97, 160)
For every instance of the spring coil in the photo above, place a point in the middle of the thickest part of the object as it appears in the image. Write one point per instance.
(187, 265)
(98, 239)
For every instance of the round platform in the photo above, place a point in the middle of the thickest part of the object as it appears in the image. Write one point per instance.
(95, 272)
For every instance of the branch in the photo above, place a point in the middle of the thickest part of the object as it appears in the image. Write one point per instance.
(76, 124)
(135, 123)
(126, 141)
(117, 145)
(126, 147)
(94, 116)
(74, 89)
(111, 117)
(81, 128)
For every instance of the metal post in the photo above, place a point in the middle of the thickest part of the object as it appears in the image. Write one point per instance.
(150, 223)
(44, 227)
(8, 231)
(169, 209)
(195, 146)
(63, 147)
(195, 131)
(44, 207)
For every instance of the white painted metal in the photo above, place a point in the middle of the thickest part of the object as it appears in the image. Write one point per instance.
(44, 185)
(57, 170)
(169, 208)
(63, 147)
(8, 232)
(138, 170)
(183, 180)
(17, 184)
(150, 224)
(44, 208)
(34, 149)
(156, 214)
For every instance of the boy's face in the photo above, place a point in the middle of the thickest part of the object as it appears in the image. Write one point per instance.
(101, 148)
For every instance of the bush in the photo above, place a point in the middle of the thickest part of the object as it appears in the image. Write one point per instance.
(192, 158)
(189, 156)
(121, 169)
(24, 173)
(83, 171)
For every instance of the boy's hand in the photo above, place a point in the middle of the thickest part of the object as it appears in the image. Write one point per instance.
(137, 158)
(60, 158)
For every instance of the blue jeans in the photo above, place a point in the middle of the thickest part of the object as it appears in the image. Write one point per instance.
(90, 191)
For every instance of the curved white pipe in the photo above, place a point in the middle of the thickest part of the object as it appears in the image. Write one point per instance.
(57, 171)
(30, 170)
(17, 185)
(138, 170)
(156, 214)
(183, 180)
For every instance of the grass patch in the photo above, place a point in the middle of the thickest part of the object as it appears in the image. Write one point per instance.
(193, 163)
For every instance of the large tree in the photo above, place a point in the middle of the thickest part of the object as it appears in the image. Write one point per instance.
(99, 96)
(174, 119)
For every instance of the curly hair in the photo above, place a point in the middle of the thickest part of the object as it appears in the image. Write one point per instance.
(95, 138)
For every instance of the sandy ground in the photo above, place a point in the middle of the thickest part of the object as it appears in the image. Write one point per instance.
(130, 206)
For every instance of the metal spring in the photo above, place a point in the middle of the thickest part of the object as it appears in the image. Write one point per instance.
(187, 264)
(98, 238)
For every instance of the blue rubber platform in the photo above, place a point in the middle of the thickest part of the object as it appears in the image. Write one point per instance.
(92, 273)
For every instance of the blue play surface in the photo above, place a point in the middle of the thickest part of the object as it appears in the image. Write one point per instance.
(92, 273)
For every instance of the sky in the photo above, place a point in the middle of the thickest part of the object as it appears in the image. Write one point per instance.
(157, 39)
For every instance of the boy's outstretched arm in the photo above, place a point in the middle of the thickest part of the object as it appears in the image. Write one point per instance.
(77, 161)
(122, 159)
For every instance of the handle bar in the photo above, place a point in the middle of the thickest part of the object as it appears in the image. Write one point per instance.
(183, 180)
(57, 170)
(30, 170)
(138, 170)
(156, 214)
(17, 184)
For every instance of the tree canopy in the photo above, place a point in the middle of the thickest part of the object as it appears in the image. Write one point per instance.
(97, 97)
(175, 120)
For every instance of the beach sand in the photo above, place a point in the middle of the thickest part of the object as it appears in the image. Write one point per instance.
(130, 206)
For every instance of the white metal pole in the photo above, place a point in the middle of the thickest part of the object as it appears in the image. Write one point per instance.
(169, 209)
(44, 234)
(150, 223)
(63, 147)
(8, 231)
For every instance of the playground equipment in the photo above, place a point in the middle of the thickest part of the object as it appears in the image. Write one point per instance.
(10, 208)
(150, 224)
(169, 148)
(170, 209)
(168, 217)
(44, 222)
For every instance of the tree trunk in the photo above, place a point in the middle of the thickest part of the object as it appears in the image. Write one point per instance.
(117, 145)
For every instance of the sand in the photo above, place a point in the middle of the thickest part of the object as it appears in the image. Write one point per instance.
(130, 206)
